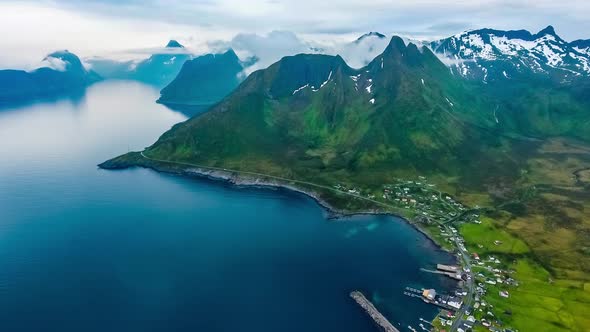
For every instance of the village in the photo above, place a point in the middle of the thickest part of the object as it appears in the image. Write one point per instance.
(479, 277)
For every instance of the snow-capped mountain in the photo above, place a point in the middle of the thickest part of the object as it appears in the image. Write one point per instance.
(491, 55)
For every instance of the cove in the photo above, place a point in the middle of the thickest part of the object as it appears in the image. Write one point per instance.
(83, 249)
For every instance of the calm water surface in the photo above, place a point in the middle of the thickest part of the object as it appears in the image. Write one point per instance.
(82, 249)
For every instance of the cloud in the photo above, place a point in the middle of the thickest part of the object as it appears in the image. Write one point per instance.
(427, 17)
(267, 48)
(359, 53)
(53, 63)
(270, 48)
(43, 29)
(103, 27)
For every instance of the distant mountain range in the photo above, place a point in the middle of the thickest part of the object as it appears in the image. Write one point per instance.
(158, 70)
(485, 56)
(494, 55)
(205, 80)
(62, 74)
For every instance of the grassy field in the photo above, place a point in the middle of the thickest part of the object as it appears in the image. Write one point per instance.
(540, 302)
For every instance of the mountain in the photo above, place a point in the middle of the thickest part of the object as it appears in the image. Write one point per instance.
(313, 116)
(493, 55)
(174, 44)
(158, 70)
(204, 80)
(62, 74)
(371, 34)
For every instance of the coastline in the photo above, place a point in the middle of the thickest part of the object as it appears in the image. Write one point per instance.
(254, 182)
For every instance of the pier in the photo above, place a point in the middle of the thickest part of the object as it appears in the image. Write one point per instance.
(370, 309)
(454, 275)
(448, 268)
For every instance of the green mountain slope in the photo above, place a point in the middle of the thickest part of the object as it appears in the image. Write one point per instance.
(204, 80)
(313, 115)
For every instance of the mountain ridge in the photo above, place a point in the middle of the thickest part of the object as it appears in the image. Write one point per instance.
(204, 80)
(158, 70)
(494, 55)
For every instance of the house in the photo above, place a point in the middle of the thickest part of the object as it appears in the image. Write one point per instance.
(429, 294)
(454, 303)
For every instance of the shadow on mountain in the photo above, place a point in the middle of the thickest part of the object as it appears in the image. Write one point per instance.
(189, 110)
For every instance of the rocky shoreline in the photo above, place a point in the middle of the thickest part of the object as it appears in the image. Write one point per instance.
(333, 213)
(252, 182)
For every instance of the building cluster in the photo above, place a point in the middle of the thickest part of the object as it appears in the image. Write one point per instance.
(434, 207)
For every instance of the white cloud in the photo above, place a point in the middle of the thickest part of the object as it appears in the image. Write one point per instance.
(267, 48)
(53, 63)
(112, 27)
(41, 29)
(359, 53)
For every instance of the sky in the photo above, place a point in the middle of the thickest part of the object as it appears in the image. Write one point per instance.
(30, 29)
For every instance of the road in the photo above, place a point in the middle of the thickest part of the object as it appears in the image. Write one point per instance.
(282, 179)
(470, 285)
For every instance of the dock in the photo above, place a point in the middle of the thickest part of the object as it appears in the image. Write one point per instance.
(448, 268)
(454, 275)
(370, 309)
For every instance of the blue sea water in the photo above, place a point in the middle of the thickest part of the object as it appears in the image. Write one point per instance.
(83, 249)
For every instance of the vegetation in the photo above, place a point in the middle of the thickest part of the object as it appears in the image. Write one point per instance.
(204, 80)
(539, 302)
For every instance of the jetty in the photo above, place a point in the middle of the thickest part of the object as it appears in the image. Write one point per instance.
(448, 268)
(370, 309)
(453, 275)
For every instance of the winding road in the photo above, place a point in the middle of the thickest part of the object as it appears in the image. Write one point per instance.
(270, 177)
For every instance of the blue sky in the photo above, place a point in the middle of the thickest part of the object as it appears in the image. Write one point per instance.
(99, 27)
